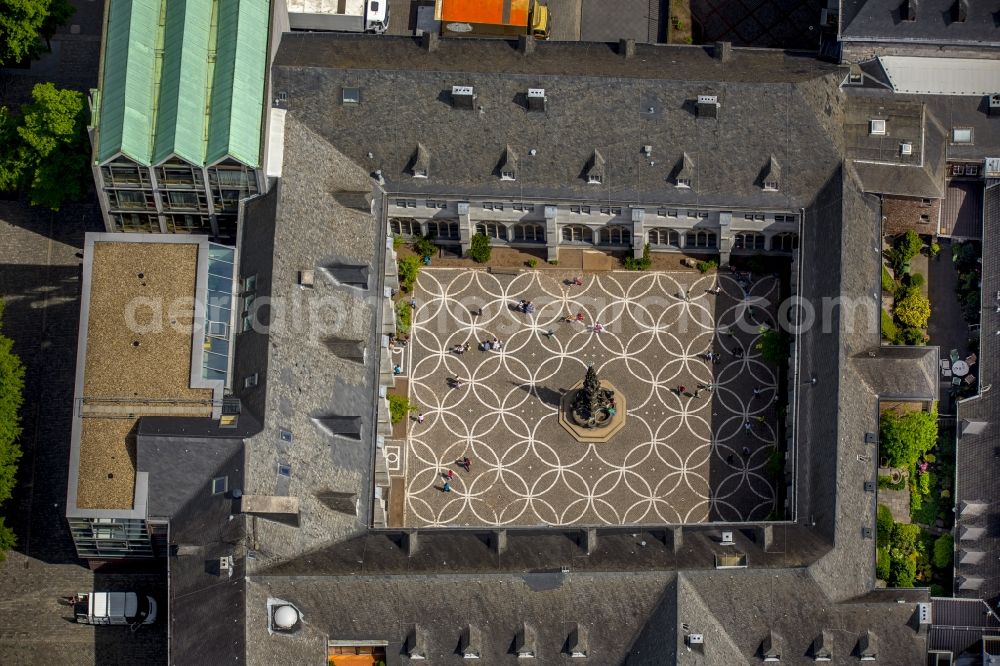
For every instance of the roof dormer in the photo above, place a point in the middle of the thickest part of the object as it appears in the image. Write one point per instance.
(685, 172)
(595, 169)
(771, 178)
(508, 164)
(420, 165)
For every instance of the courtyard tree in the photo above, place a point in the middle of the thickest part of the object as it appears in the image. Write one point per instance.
(772, 345)
(944, 551)
(11, 399)
(913, 309)
(907, 246)
(21, 22)
(480, 249)
(904, 438)
(46, 149)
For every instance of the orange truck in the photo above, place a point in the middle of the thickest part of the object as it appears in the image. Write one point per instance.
(492, 18)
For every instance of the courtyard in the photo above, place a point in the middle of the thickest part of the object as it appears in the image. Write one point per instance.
(682, 456)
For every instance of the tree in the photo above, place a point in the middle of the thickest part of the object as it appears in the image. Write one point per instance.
(907, 246)
(944, 550)
(884, 523)
(21, 22)
(903, 572)
(11, 399)
(904, 438)
(914, 309)
(772, 345)
(480, 249)
(409, 269)
(46, 153)
(882, 563)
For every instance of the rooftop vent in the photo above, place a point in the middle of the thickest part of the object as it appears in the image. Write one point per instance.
(994, 104)
(343, 426)
(876, 127)
(822, 647)
(471, 643)
(959, 11)
(770, 647)
(908, 10)
(524, 642)
(695, 639)
(867, 646)
(350, 274)
(284, 617)
(462, 97)
(226, 566)
(708, 106)
(727, 539)
(306, 278)
(578, 645)
(420, 164)
(626, 47)
(906, 148)
(595, 169)
(924, 613)
(536, 99)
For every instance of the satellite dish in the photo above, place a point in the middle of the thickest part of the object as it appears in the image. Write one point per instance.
(459, 27)
(285, 617)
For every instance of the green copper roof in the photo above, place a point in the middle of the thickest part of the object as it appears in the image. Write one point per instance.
(238, 91)
(184, 78)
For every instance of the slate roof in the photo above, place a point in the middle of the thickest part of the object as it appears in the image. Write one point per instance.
(881, 21)
(901, 373)
(960, 624)
(980, 453)
(597, 100)
(148, 110)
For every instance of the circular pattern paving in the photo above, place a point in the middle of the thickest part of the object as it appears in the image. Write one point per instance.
(679, 458)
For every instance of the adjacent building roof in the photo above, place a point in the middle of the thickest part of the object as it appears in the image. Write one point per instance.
(934, 23)
(941, 76)
(650, 97)
(183, 79)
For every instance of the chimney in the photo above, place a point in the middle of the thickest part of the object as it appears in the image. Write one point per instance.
(626, 47)
(708, 106)
(526, 44)
(430, 41)
(723, 51)
(536, 99)
(463, 97)
(908, 10)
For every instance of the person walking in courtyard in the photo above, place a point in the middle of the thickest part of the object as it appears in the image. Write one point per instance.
(746, 451)
(697, 392)
(729, 459)
(747, 426)
(450, 475)
(756, 391)
(420, 417)
(467, 463)
(579, 317)
(681, 389)
(447, 487)
(598, 327)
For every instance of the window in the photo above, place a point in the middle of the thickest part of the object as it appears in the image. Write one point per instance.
(506, 175)
(439, 229)
(610, 210)
(971, 169)
(284, 469)
(524, 208)
(961, 135)
(404, 227)
(134, 222)
(430, 203)
(661, 212)
(488, 205)
(749, 240)
(250, 380)
(179, 173)
(250, 283)
(118, 174)
(786, 218)
(285, 435)
(132, 199)
(664, 237)
(218, 329)
(615, 235)
(925, 203)
(220, 485)
(529, 233)
(700, 239)
(577, 233)
(957, 169)
(189, 224)
(351, 95)
(188, 200)
(671, 212)
(876, 127)
(595, 179)
(490, 230)
(770, 185)
(785, 242)
(683, 182)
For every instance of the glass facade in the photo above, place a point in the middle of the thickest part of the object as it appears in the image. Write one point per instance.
(111, 538)
(218, 312)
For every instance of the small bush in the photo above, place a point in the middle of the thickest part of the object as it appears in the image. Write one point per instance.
(886, 482)
(934, 249)
(409, 269)
(397, 242)
(532, 262)
(944, 550)
(913, 309)
(706, 266)
(936, 590)
(399, 407)
(480, 251)
(889, 330)
(882, 563)
(924, 482)
(888, 284)
(643, 264)
(553, 262)
(404, 318)
(913, 336)
(424, 246)
(929, 457)
(916, 280)
(884, 523)
(903, 571)
(916, 498)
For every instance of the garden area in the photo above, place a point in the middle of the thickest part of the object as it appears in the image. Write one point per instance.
(905, 306)
(917, 463)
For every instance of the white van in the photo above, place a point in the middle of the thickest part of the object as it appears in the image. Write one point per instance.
(126, 608)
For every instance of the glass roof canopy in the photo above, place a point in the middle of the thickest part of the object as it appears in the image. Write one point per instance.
(218, 312)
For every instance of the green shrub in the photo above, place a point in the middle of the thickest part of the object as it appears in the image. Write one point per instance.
(882, 563)
(907, 247)
(889, 330)
(884, 522)
(914, 309)
(424, 246)
(706, 266)
(934, 249)
(916, 498)
(404, 317)
(642, 264)
(11, 399)
(397, 242)
(888, 284)
(904, 438)
(532, 262)
(936, 590)
(553, 262)
(905, 537)
(916, 280)
(409, 269)
(903, 571)
(944, 550)
(399, 407)
(929, 457)
(886, 482)
(480, 251)
(924, 483)
(913, 336)
(773, 345)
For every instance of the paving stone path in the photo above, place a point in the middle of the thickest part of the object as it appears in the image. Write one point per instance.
(678, 459)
